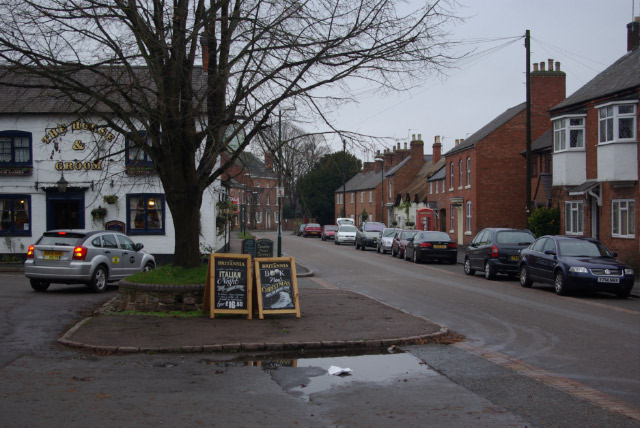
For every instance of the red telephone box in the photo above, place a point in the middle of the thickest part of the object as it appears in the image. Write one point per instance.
(425, 219)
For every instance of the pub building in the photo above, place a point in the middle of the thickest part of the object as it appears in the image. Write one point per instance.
(49, 179)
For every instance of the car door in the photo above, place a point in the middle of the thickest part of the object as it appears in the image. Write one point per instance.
(475, 250)
(547, 261)
(113, 254)
(131, 259)
(534, 256)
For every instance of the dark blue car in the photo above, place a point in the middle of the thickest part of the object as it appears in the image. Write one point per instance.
(573, 263)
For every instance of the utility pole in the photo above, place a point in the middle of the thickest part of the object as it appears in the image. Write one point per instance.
(279, 183)
(344, 178)
(527, 43)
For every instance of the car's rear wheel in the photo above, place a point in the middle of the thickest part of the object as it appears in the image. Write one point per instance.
(98, 281)
(39, 285)
(467, 267)
(362, 247)
(357, 246)
(525, 280)
(489, 272)
(559, 285)
(415, 257)
(149, 266)
(335, 242)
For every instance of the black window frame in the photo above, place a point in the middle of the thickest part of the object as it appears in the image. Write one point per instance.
(146, 231)
(146, 162)
(21, 134)
(11, 231)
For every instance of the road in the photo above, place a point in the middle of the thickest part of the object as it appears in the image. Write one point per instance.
(530, 358)
(591, 339)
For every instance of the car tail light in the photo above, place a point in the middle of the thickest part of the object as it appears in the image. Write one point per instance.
(62, 233)
(425, 244)
(30, 252)
(494, 251)
(453, 245)
(79, 253)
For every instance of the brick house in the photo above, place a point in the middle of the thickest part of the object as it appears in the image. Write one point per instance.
(376, 191)
(595, 155)
(484, 175)
(541, 170)
(252, 185)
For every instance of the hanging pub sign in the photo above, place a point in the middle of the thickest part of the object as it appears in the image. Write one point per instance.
(229, 285)
(277, 286)
(264, 248)
(249, 247)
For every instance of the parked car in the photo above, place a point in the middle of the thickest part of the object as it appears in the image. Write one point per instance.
(328, 231)
(311, 229)
(385, 239)
(345, 220)
(496, 250)
(346, 234)
(367, 234)
(400, 241)
(93, 258)
(300, 230)
(574, 263)
(431, 246)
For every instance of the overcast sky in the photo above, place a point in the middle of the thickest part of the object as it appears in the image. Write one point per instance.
(585, 36)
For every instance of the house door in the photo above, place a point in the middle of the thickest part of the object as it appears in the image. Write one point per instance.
(65, 210)
(459, 225)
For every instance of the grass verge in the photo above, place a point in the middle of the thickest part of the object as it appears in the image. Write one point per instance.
(171, 275)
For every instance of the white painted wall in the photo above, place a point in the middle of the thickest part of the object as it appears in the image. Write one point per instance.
(618, 162)
(569, 168)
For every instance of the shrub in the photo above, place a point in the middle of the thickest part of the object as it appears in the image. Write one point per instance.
(545, 221)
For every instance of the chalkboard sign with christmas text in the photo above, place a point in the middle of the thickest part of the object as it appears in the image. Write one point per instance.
(277, 287)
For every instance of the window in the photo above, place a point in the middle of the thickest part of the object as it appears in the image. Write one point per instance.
(460, 174)
(145, 214)
(617, 123)
(568, 133)
(574, 217)
(362, 197)
(468, 172)
(352, 196)
(370, 196)
(258, 216)
(125, 243)
(389, 187)
(134, 155)
(437, 186)
(451, 177)
(276, 217)
(268, 202)
(431, 188)
(623, 218)
(468, 222)
(443, 185)
(15, 215)
(452, 217)
(15, 148)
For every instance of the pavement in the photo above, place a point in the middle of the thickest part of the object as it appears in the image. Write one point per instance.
(331, 319)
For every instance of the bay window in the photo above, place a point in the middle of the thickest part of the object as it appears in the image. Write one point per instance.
(568, 133)
(617, 122)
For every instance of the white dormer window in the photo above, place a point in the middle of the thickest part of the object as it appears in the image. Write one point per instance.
(568, 133)
(617, 122)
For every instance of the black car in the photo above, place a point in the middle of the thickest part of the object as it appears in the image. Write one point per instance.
(431, 246)
(496, 250)
(572, 263)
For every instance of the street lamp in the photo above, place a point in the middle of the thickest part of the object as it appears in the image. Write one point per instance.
(279, 192)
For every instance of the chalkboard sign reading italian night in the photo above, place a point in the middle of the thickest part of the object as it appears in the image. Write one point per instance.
(264, 248)
(277, 287)
(229, 284)
(249, 247)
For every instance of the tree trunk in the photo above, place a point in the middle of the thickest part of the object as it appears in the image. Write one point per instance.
(186, 222)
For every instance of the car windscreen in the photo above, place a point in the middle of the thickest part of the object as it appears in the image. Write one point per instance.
(328, 228)
(435, 236)
(388, 232)
(581, 248)
(373, 227)
(61, 238)
(347, 228)
(514, 237)
(408, 234)
(313, 225)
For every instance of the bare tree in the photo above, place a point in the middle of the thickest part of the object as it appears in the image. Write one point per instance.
(134, 65)
(294, 152)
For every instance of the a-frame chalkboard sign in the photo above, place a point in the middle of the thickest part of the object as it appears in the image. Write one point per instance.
(229, 285)
(277, 286)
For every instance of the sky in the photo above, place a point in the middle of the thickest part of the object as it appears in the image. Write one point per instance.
(585, 36)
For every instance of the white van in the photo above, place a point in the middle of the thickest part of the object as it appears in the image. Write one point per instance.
(344, 220)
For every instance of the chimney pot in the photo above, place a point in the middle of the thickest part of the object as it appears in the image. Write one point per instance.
(405, 146)
(437, 139)
(557, 65)
(413, 137)
(535, 66)
(542, 66)
(420, 137)
(398, 146)
(550, 64)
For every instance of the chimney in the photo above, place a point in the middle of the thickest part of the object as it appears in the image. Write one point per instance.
(378, 162)
(405, 146)
(417, 149)
(268, 161)
(633, 34)
(548, 88)
(205, 52)
(437, 150)
(367, 167)
(388, 158)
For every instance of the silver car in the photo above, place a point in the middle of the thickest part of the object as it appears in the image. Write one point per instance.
(346, 234)
(83, 257)
(385, 240)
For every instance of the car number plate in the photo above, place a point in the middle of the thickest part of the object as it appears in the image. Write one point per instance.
(609, 280)
(52, 255)
(440, 246)
(514, 258)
